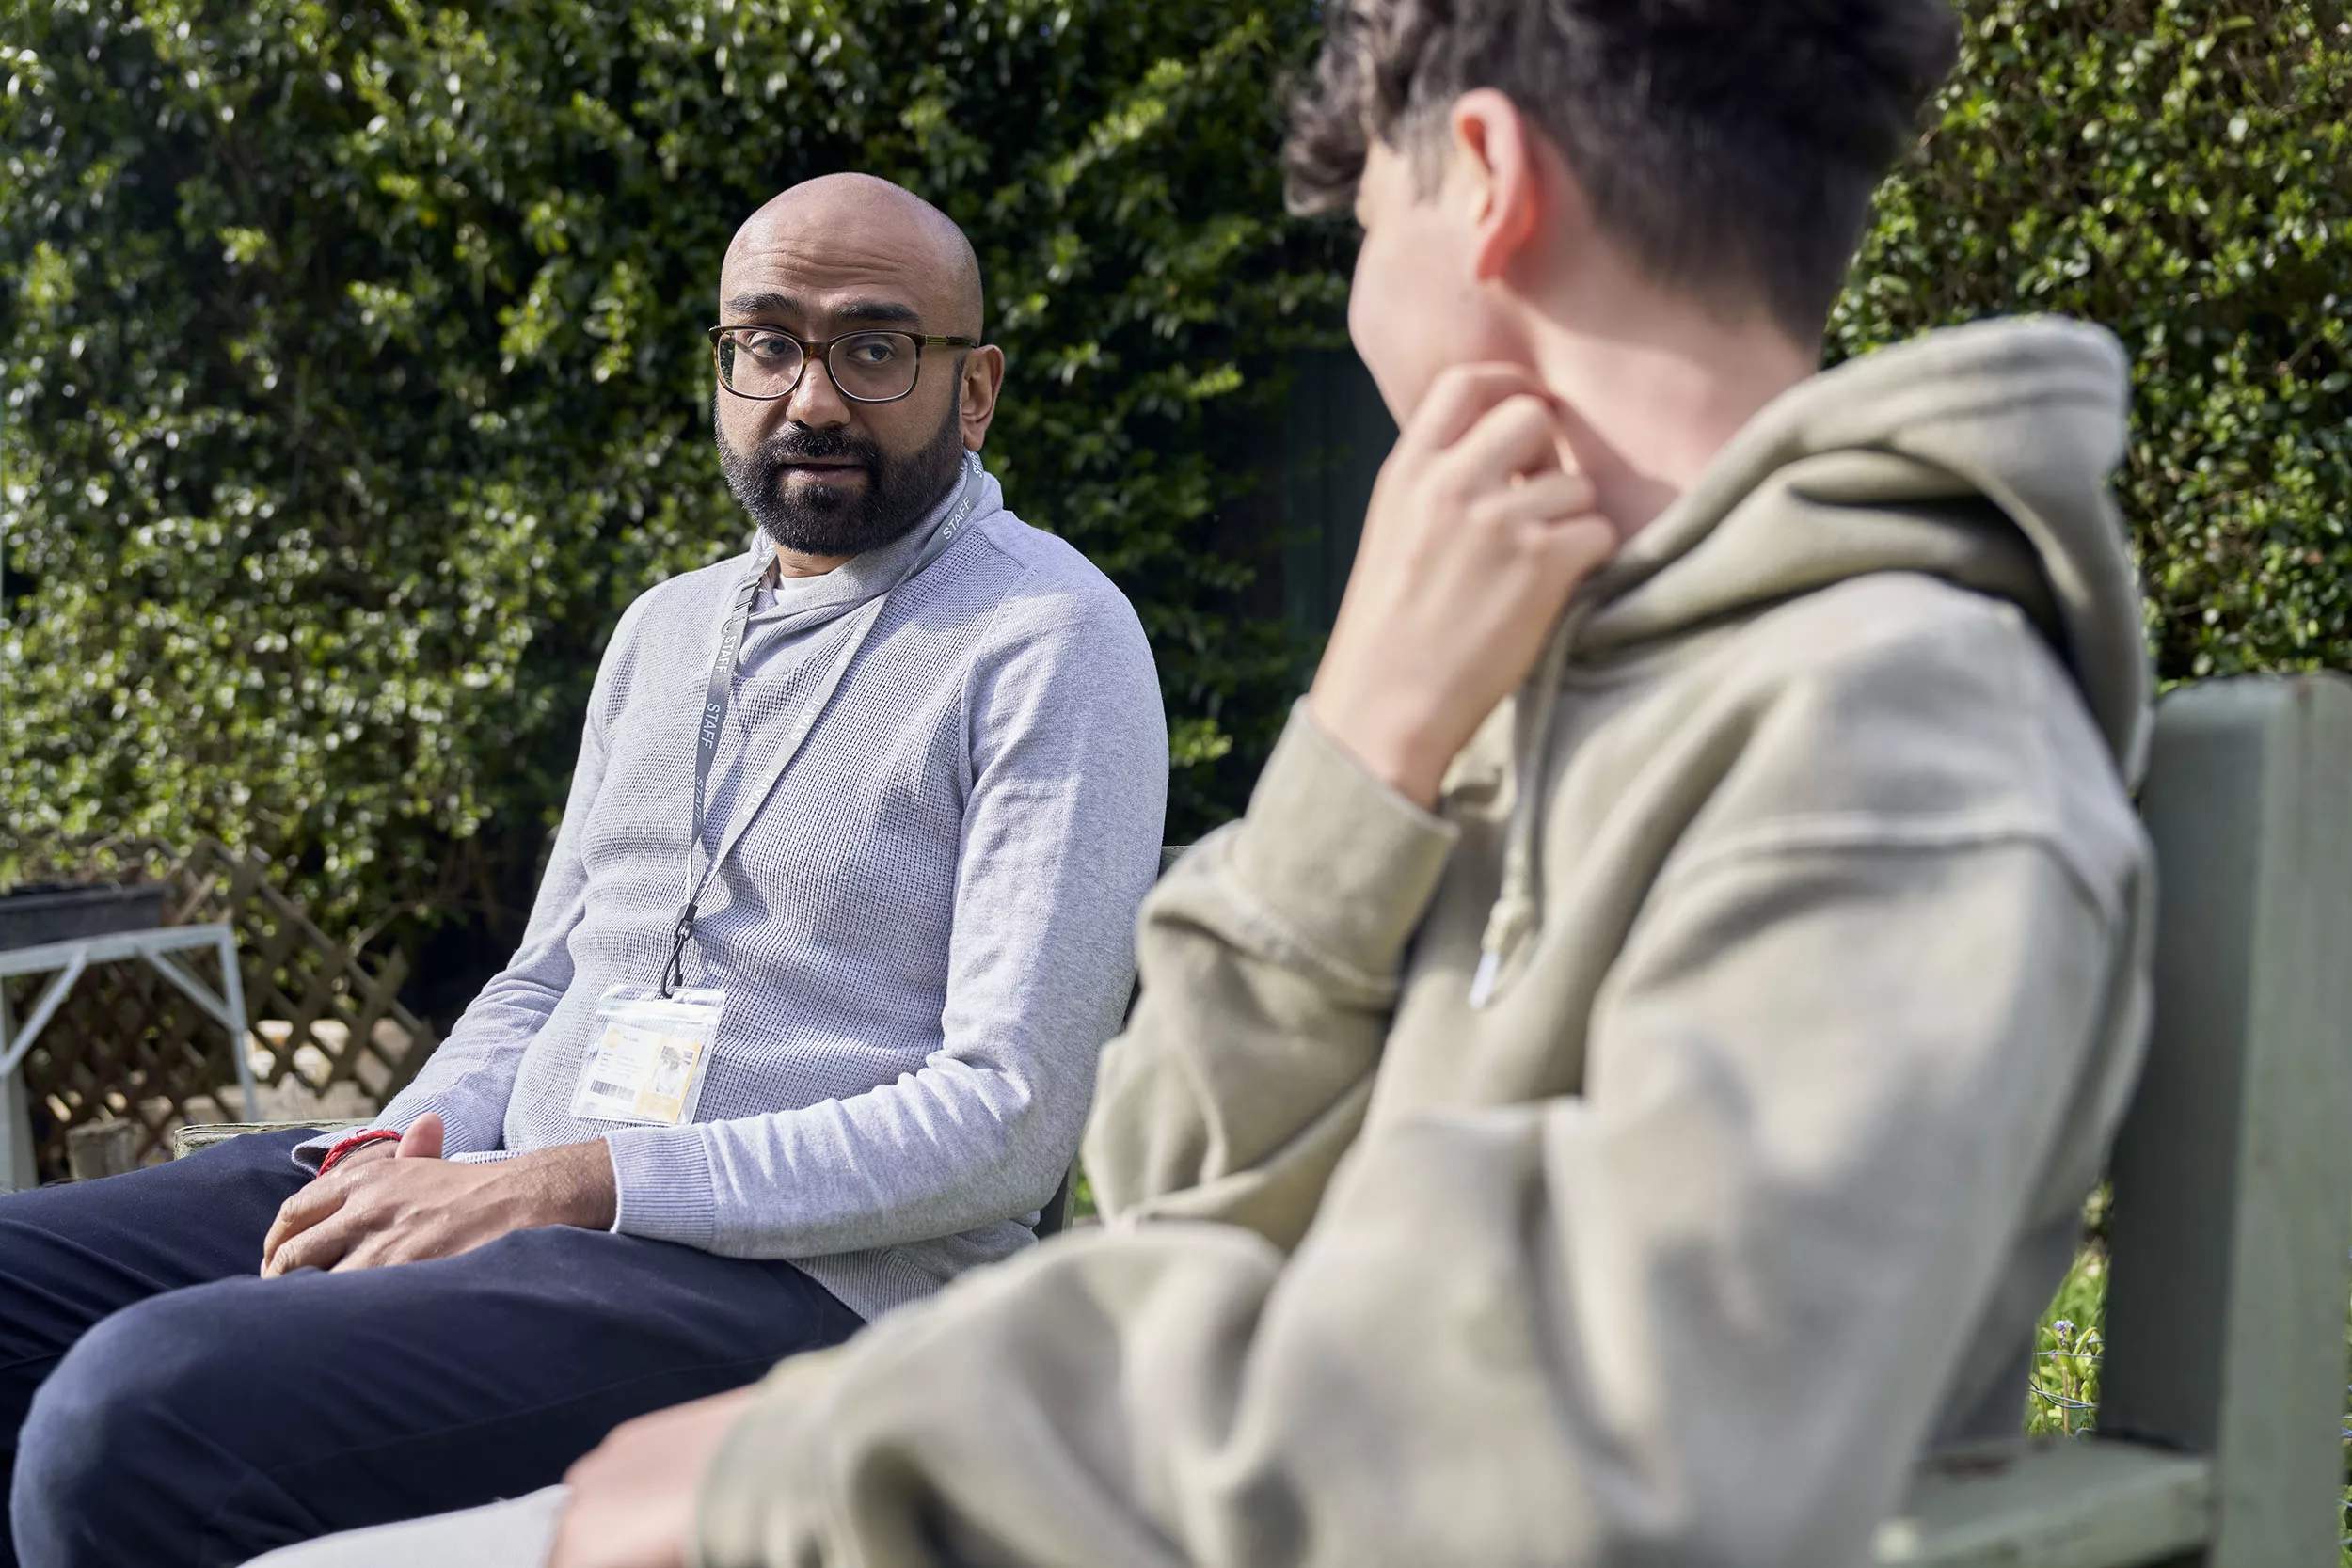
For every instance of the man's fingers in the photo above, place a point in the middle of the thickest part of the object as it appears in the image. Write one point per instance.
(1553, 535)
(299, 1212)
(321, 1247)
(423, 1141)
(381, 1248)
(370, 1251)
(1518, 436)
(1549, 498)
(1459, 396)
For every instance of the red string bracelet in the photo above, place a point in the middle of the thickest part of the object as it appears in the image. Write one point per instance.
(357, 1140)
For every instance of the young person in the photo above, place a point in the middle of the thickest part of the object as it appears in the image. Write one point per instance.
(1625, 1089)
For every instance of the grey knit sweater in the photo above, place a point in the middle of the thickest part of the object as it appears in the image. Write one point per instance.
(925, 937)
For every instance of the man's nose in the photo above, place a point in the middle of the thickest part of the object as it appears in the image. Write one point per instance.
(817, 402)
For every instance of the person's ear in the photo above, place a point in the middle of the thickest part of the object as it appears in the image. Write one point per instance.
(983, 378)
(1495, 146)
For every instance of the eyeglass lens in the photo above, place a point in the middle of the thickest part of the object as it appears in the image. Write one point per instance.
(871, 366)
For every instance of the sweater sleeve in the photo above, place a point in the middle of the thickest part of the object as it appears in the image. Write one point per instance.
(1060, 842)
(470, 1079)
(1696, 1315)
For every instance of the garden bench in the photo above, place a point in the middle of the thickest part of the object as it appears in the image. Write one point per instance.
(2218, 1442)
(2221, 1390)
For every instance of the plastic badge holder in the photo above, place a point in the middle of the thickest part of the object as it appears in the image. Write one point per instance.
(648, 1066)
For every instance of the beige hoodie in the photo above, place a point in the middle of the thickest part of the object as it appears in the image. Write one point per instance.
(1817, 916)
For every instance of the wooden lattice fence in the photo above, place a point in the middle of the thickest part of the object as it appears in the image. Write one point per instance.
(127, 1045)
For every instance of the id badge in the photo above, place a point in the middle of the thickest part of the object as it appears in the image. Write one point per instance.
(648, 1068)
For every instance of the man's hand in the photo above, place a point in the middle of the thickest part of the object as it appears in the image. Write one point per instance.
(632, 1503)
(415, 1205)
(1478, 532)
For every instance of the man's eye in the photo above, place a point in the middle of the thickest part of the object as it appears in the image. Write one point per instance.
(873, 351)
(766, 345)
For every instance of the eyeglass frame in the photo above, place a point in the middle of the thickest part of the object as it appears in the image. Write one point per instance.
(813, 350)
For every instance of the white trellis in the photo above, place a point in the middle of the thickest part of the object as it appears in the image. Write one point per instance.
(65, 962)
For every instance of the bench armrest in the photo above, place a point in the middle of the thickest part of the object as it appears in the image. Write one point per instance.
(2062, 1502)
(187, 1140)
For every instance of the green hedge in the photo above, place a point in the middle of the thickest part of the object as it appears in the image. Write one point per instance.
(352, 378)
(2182, 173)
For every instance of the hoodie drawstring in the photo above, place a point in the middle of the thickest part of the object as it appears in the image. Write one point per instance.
(1518, 905)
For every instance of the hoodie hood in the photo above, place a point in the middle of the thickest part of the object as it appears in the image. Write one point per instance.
(1979, 455)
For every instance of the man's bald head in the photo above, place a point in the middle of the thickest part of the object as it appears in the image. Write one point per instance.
(845, 262)
(860, 215)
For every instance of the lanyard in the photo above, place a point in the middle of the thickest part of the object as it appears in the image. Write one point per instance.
(719, 694)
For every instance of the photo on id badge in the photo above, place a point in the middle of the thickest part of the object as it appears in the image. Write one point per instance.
(670, 1068)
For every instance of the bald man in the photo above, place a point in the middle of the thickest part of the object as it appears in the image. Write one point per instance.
(804, 1025)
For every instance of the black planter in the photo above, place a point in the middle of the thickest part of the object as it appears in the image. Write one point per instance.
(33, 917)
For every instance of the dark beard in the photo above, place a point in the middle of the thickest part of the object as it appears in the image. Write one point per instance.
(899, 493)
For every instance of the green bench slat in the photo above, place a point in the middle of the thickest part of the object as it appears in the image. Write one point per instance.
(2080, 1502)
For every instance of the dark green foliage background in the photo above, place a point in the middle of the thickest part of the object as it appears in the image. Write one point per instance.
(2181, 172)
(353, 380)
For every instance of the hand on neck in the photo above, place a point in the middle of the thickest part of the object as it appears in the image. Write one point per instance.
(1653, 385)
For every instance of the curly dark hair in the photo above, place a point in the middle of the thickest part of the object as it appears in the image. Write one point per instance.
(1731, 145)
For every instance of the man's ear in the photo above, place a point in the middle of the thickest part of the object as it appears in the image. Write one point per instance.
(983, 378)
(1497, 146)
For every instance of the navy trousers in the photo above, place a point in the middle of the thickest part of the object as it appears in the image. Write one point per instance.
(162, 1404)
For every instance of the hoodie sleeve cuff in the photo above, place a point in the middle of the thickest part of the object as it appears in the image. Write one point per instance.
(662, 1186)
(1347, 862)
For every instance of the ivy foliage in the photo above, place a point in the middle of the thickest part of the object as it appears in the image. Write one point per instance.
(2181, 173)
(353, 378)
